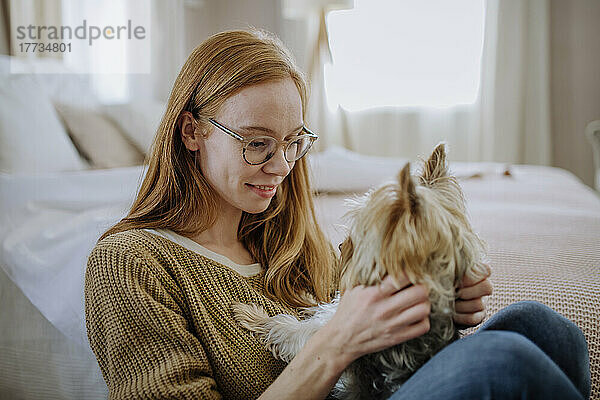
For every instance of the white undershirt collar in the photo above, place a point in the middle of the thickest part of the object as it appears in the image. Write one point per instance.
(244, 270)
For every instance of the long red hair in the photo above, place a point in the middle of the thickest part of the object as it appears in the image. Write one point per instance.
(175, 195)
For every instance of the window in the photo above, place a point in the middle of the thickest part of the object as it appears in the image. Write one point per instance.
(405, 53)
(110, 51)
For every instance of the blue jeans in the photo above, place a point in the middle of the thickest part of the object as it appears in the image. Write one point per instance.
(525, 351)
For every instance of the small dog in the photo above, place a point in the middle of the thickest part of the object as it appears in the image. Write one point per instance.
(420, 229)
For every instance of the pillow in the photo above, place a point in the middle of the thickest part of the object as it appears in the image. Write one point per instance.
(58, 81)
(97, 139)
(341, 170)
(138, 121)
(32, 138)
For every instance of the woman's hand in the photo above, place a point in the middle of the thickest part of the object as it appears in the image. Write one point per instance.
(470, 310)
(370, 319)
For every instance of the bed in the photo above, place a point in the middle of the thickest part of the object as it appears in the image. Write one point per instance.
(541, 225)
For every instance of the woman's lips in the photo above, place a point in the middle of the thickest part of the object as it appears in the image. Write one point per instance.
(267, 194)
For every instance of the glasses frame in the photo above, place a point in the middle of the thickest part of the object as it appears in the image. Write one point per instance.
(245, 141)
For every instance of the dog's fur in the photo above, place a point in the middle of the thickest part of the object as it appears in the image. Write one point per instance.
(420, 229)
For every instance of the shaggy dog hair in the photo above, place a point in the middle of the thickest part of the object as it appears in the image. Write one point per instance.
(413, 226)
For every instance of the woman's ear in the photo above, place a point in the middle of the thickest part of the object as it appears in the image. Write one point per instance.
(187, 125)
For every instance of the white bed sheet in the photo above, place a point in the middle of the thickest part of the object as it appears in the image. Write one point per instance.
(49, 223)
(48, 226)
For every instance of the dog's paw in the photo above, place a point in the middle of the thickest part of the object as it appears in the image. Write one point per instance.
(250, 316)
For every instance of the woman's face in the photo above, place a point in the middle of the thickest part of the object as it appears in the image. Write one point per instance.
(266, 109)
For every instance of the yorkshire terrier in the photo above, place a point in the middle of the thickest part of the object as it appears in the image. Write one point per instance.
(413, 226)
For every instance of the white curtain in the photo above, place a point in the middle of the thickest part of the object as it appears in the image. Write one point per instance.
(320, 118)
(514, 106)
(152, 64)
(33, 12)
(509, 122)
(4, 23)
(304, 31)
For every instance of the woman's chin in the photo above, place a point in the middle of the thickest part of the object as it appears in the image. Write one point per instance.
(254, 205)
(257, 209)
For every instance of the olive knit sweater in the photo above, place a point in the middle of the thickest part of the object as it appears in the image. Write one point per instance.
(159, 321)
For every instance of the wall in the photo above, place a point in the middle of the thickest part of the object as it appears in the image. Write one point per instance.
(575, 82)
(210, 16)
(4, 18)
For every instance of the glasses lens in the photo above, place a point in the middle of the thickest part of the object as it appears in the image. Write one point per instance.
(298, 148)
(260, 149)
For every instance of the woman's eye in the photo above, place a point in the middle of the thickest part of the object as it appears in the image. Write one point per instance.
(257, 144)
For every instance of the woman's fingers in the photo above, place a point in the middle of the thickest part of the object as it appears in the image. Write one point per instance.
(480, 289)
(470, 310)
(376, 317)
(414, 330)
(471, 281)
(470, 319)
(409, 324)
(389, 285)
(469, 306)
(482, 268)
(414, 314)
(402, 300)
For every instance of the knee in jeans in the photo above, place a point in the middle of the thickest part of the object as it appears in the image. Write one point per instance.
(532, 307)
(521, 368)
(509, 351)
(547, 314)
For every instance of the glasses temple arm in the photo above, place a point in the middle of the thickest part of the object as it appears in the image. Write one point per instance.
(225, 129)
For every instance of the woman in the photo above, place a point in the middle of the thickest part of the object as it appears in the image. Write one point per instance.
(225, 213)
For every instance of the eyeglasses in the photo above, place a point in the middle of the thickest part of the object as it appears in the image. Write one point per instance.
(260, 149)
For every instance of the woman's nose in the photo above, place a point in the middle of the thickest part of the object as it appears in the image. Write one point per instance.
(278, 164)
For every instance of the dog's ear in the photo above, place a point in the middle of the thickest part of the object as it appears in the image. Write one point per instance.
(407, 196)
(436, 166)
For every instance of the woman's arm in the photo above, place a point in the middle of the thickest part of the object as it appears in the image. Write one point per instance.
(138, 332)
(368, 319)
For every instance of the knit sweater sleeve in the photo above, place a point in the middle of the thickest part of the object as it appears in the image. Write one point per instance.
(138, 330)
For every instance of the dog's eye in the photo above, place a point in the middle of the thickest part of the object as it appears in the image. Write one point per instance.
(340, 246)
